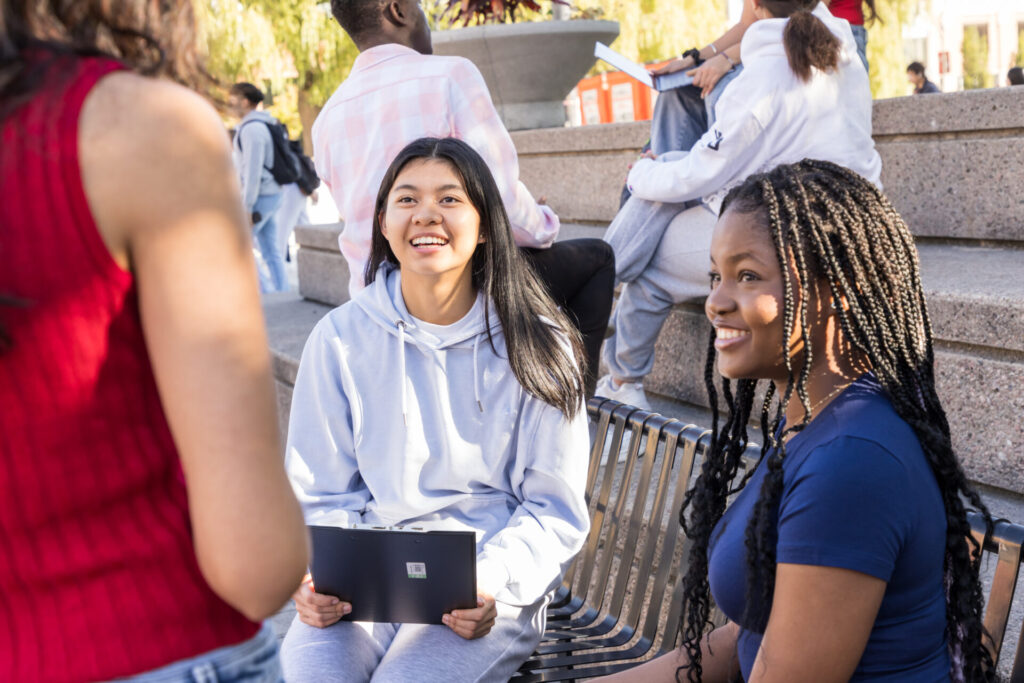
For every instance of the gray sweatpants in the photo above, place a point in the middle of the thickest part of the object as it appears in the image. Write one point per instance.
(352, 652)
(676, 272)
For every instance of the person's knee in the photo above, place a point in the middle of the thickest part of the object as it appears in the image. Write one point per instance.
(604, 254)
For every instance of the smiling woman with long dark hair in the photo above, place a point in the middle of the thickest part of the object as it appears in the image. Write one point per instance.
(448, 394)
(845, 555)
(140, 463)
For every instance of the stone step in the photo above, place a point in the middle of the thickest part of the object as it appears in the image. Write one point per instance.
(952, 164)
(975, 294)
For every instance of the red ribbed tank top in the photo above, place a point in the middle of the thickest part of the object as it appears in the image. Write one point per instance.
(98, 577)
(851, 10)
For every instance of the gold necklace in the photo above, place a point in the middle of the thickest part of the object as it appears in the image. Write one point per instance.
(789, 435)
(835, 391)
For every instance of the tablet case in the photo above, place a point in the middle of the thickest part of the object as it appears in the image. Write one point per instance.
(394, 576)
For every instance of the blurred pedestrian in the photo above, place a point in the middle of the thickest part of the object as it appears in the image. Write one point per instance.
(916, 77)
(261, 193)
(1015, 76)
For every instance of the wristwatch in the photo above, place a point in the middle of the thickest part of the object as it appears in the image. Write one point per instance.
(695, 54)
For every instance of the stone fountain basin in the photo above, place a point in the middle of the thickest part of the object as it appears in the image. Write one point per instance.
(529, 67)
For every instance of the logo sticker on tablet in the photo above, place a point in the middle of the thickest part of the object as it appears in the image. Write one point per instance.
(416, 570)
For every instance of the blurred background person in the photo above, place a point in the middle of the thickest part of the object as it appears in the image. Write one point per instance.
(916, 77)
(147, 524)
(253, 154)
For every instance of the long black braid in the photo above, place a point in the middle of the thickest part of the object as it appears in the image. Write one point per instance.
(826, 222)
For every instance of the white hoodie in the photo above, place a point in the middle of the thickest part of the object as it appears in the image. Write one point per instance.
(394, 424)
(767, 117)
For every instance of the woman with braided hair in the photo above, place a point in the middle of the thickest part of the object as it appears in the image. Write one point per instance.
(844, 555)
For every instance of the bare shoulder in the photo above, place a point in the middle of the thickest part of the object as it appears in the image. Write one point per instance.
(149, 148)
(138, 110)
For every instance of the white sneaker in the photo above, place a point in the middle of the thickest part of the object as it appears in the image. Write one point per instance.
(630, 393)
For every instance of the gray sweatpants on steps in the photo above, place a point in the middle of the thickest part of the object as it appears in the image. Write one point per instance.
(662, 254)
(350, 652)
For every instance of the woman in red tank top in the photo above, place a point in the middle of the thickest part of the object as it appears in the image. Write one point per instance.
(146, 523)
(853, 12)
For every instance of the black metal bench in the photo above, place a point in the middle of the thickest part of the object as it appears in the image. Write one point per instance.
(619, 603)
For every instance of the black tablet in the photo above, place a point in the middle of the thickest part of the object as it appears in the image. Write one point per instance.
(395, 575)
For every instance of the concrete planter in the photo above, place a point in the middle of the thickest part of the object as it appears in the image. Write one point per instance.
(529, 67)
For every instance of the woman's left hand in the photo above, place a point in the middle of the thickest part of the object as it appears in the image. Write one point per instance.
(709, 73)
(473, 623)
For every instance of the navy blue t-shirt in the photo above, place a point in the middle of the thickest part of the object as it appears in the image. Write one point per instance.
(858, 494)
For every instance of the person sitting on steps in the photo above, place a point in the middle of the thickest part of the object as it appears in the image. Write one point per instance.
(803, 93)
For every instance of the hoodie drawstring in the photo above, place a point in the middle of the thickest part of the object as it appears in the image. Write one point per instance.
(401, 368)
(476, 374)
(400, 324)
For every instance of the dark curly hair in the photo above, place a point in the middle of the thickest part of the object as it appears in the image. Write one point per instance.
(152, 37)
(828, 223)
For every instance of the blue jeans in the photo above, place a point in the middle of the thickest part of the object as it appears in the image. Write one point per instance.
(681, 117)
(265, 234)
(253, 661)
(860, 36)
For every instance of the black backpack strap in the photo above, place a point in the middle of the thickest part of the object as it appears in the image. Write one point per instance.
(238, 136)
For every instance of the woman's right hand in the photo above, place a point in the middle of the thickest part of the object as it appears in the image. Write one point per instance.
(318, 610)
(709, 73)
(677, 64)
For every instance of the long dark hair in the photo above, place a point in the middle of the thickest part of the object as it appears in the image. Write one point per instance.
(544, 348)
(827, 222)
(808, 42)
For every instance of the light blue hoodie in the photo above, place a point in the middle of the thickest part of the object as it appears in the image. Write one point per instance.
(394, 424)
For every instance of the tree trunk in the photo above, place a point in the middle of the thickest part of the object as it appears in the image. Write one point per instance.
(307, 114)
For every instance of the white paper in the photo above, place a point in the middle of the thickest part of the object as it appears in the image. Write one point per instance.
(623, 64)
(637, 71)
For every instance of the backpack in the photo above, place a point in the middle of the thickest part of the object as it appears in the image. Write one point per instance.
(286, 166)
(308, 179)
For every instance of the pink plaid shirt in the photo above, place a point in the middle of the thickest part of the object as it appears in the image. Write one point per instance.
(395, 95)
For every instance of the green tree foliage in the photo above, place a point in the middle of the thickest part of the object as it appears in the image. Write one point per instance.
(975, 49)
(1020, 47)
(888, 68)
(293, 48)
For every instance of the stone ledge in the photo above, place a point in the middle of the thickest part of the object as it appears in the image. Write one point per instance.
(975, 295)
(322, 236)
(971, 110)
(942, 168)
(605, 137)
(957, 188)
(290, 319)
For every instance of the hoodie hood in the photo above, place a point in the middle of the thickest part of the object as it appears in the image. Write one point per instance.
(383, 302)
